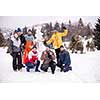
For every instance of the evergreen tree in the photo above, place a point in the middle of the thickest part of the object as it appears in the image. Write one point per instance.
(62, 25)
(80, 23)
(2, 40)
(33, 31)
(57, 26)
(89, 31)
(69, 22)
(25, 30)
(50, 27)
(97, 34)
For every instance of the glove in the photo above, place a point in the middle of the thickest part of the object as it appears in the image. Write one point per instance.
(64, 27)
(19, 54)
(63, 65)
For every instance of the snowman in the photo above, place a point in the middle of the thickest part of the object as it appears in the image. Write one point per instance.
(39, 40)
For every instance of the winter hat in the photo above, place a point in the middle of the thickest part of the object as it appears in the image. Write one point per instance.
(61, 46)
(15, 31)
(29, 30)
(54, 31)
(48, 46)
(18, 30)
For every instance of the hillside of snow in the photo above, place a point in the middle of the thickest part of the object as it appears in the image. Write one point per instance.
(86, 68)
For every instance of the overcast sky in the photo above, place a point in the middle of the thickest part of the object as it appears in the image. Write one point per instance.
(20, 21)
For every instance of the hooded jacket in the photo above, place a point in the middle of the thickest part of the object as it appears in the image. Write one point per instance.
(56, 39)
(15, 44)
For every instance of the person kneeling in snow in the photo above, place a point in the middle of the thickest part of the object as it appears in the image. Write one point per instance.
(32, 60)
(48, 58)
(64, 60)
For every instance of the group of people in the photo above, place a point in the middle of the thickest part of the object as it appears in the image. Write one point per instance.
(25, 53)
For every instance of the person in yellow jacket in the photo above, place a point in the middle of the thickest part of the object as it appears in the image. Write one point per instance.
(56, 39)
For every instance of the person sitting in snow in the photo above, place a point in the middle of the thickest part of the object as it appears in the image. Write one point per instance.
(16, 52)
(64, 60)
(33, 60)
(48, 58)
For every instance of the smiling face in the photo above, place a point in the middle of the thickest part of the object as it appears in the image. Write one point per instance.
(16, 35)
(34, 49)
(29, 32)
(62, 48)
(19, 33)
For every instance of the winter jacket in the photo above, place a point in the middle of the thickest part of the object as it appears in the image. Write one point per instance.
(29, 37)
(47, 56)
(32, 56)
(29, 42)
(28, 46)
(56, 39)
(64, 57)
(22, 38)
(15, 45)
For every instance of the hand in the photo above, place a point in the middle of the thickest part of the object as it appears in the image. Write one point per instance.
(30, 47)
(50, 53)
(19, 54)
(64, 28)
(63, 65)
(23, 44)
(35, 62)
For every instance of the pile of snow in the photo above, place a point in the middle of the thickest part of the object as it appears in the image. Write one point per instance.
(86, 68)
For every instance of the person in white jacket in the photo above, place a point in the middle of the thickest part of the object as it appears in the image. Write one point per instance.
(16, 52)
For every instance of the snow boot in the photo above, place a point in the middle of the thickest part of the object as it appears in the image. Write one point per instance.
(27, 69)
(66, 69)
(70, 68)
(37, 70)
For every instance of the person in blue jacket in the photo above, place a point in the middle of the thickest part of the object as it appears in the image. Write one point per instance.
(64, 61)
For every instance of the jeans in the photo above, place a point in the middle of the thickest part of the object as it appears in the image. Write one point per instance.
(32, 66)
(17, 60)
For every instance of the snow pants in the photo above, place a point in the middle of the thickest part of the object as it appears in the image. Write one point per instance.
(17, 60)
(57, 51)
(32, 66)
(64, 68)
(51, 64)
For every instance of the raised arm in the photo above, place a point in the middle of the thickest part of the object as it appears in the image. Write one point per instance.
(64, 33)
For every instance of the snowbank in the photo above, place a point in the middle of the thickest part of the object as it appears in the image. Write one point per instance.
(86, 68)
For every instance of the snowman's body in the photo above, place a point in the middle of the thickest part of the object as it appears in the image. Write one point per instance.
(39, 41)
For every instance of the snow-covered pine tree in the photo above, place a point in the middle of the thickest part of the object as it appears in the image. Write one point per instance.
(97, 34)
(2, 40)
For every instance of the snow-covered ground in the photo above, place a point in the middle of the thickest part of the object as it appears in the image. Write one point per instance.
(86, 68)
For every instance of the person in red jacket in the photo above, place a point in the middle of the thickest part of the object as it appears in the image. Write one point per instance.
(32, 60)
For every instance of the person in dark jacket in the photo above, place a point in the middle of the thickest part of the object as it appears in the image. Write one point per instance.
(22, 38)
(48, 58)
(23, 41)
(16, 52)
(64, 60)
